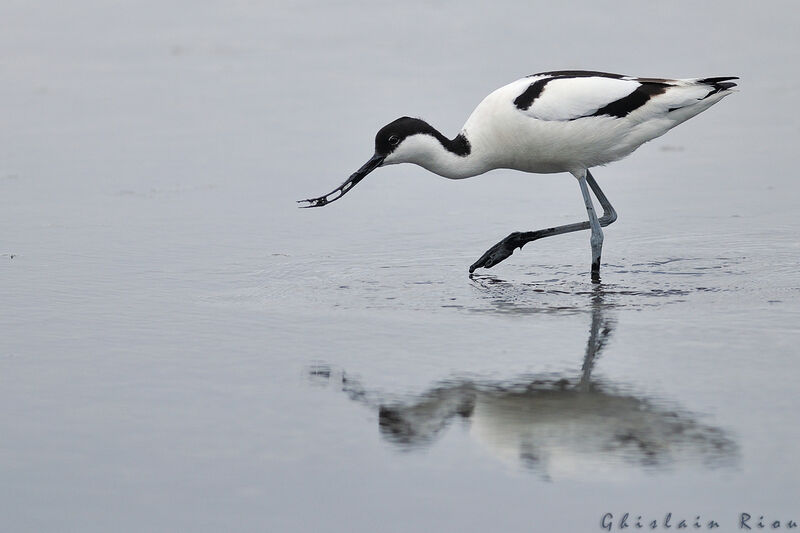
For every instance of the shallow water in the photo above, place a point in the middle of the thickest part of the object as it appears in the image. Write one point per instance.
(183, 349)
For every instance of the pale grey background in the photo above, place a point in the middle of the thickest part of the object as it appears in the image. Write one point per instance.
(163, 300)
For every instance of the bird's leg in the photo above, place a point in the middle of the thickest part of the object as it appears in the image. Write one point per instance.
(596, 239)
(609, 214)
(503, 249)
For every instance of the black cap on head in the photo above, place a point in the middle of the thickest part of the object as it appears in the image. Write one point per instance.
(392, 134)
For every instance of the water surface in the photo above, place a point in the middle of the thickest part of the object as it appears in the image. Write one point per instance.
(183, 349)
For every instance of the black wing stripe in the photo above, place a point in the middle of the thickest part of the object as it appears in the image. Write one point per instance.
(628, 104)
(579, 74)
(525, 100)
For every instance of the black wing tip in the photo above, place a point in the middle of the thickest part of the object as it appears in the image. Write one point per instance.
(720, 83)
(719, 79)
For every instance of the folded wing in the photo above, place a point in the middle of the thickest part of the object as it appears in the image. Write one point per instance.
(573, 95)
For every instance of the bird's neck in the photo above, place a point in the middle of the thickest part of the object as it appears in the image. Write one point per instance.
(452, 158)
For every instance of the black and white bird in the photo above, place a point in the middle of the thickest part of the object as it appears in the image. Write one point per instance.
(559, 121)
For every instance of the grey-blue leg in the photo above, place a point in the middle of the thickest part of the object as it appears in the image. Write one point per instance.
(506, 247)
(596, 239)
(609, 214)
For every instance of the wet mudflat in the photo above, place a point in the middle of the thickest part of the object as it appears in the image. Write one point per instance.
(183, 349)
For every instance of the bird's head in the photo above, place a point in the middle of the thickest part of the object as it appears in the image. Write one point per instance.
(397, 142)
(400, 140)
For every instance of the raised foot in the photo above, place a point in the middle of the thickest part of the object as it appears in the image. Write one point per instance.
(499, 252)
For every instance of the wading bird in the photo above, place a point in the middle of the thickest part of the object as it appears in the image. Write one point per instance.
(560, 121)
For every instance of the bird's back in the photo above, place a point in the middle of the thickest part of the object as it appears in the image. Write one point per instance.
(571, 120)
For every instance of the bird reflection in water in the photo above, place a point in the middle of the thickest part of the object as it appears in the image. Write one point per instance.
(558, 426)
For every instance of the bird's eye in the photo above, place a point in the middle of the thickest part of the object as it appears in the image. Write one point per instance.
(394, 140)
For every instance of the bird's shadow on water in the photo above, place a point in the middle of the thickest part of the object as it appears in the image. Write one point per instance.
(557, 425)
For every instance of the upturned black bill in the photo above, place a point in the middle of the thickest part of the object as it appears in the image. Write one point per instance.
(340, 191)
